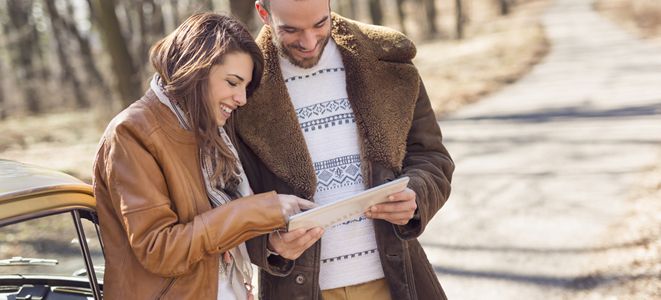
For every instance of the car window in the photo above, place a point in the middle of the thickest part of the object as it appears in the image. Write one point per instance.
(47, 246)
(94, 244)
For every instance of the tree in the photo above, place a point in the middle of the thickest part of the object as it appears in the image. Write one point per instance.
(149, 26)
(174, 14)
(401, 15)
(94, 77)
(245, 11)
(3, 110)
(376, 12)
(430, 13)
(23, 33)
(504, 7)
(126, 81)
(459, 16)
(68, 75)
(346, 8)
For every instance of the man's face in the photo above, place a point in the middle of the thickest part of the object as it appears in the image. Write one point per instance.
(301, 29)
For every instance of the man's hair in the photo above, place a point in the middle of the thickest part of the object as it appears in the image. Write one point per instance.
(267, 5)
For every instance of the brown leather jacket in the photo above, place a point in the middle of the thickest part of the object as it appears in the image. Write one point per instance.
(162, 239)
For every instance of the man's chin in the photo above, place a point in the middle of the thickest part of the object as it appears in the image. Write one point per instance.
(305, 63)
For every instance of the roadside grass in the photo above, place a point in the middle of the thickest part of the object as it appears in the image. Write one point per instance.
(642, 264)
(643, 17)
(496, 53)
(632, 271)
(64, 141)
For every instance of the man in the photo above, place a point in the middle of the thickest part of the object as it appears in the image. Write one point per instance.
(341, 108)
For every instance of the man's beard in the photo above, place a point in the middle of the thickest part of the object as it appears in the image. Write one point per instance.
(304, 63)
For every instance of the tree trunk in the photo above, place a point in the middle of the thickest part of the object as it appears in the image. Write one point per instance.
(19, 12)
(430, 13)
(346, 8)
(124, 71)
(353, 10)
(143, 41)
(504, 7)
(156, 22)
(207, 5)
(68, 75)
(3, 108)
(401, 15)
(245, 11)
(174, 14)
(94, 77)
(376, 12)
(459, 16)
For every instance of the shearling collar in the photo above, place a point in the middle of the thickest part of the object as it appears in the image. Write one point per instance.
(382, 86)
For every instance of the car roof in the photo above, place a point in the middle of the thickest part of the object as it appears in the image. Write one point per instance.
(28, 190)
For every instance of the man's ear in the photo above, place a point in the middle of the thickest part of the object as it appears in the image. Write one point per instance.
(263, 14)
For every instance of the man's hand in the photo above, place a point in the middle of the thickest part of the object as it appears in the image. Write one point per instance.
(399, 208)
(291, 245)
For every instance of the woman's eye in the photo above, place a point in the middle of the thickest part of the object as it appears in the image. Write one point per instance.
(232, 83)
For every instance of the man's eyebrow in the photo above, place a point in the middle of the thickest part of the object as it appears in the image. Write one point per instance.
(285, 26)
(237, 76)
(321, 21)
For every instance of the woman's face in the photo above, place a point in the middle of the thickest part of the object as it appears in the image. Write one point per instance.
(227, 85)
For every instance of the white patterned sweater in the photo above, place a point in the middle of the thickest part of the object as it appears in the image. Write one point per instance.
(349, 254)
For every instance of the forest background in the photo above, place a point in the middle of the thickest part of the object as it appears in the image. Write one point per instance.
(68, 66)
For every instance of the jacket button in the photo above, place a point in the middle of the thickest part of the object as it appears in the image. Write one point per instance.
(300, 279)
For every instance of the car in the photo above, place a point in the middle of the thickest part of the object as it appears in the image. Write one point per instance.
(50, 247)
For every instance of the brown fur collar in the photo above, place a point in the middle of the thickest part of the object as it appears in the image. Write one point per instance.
(382, 86)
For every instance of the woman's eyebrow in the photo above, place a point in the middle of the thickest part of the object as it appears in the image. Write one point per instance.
(237, 76)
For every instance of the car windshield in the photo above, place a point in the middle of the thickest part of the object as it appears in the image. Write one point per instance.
(47, 246)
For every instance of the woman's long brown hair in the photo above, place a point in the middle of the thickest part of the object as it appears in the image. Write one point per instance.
(184, 58)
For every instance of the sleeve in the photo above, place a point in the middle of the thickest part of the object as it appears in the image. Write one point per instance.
(274, 265)
(162, 244)
(429, 166)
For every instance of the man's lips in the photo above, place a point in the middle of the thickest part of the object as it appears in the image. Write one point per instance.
(308, 53)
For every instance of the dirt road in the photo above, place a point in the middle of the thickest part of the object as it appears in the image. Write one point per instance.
(548, 166)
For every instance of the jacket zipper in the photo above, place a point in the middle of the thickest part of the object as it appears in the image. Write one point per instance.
(369, 175)
(167, 288)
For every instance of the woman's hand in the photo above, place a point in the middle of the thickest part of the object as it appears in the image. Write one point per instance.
(291, 245)
(292, 205)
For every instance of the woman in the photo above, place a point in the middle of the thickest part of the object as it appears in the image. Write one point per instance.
(166, 174)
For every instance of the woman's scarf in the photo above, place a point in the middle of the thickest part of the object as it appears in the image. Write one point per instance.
(235, 269)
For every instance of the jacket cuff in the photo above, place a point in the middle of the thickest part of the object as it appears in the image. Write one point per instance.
(275, 265)
(414, 228)
(240, 220)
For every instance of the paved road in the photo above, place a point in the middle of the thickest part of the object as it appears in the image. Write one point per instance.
(547, 165)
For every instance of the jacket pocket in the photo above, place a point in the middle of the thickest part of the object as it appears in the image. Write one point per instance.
(167, 288)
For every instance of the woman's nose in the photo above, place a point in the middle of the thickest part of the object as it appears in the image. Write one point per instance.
(240, 98)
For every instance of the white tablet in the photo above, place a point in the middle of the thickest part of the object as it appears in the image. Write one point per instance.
(346, 209)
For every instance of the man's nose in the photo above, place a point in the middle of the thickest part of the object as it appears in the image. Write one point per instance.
(308, 40)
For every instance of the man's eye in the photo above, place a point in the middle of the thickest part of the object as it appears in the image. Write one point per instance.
(289, 30)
